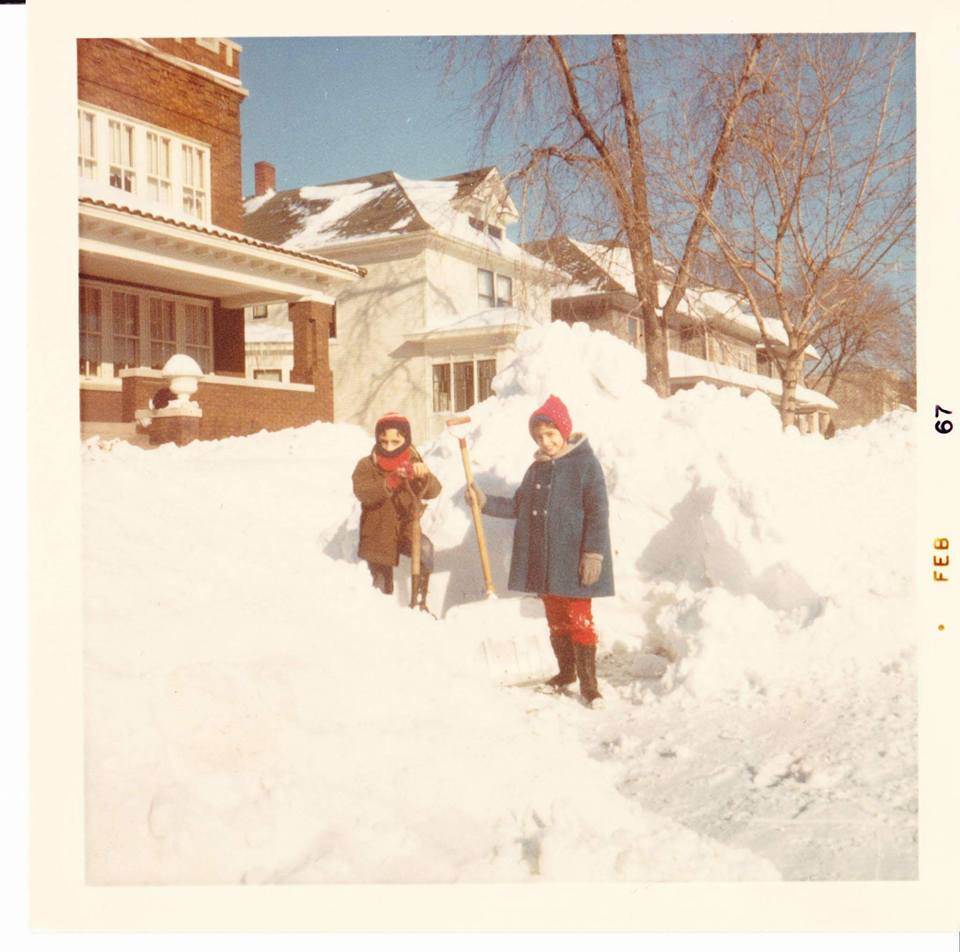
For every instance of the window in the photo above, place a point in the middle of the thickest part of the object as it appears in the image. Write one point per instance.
(163, 331)
(441, 388)
(91, 335)
(270, 374)
(258, 311)
(196, 333)
(194, 182)
(495, 231)
(475, 223)
(691, 342)
(126, 330)
(86, 144)
(487, 281)
(486, 371)
(141, 160)
(123, 156)
(463, 385)
(485, 287)
(633, 329)
(123, 327)
(459, 384)
(159, 187)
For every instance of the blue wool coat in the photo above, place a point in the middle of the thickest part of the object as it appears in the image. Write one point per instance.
(561, 511)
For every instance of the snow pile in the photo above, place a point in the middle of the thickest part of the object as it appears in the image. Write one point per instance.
(256, 713)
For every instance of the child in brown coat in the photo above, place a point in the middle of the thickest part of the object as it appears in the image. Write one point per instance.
(386, 483)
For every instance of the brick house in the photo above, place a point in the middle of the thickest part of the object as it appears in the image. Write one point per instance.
(715, 338)
(445, 296)
(163, 266)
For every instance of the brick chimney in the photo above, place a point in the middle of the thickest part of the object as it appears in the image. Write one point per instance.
(264, 178)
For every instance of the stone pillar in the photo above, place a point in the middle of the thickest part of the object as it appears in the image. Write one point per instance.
(311, 350)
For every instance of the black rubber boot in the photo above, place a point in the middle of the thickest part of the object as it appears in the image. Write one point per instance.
(586, 662)
(563, 650)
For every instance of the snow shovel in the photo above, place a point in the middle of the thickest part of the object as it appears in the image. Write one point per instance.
(418, 598)
(474, 506)
(510, 661)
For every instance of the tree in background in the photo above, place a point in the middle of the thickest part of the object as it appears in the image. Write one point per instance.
(815, 207)
(589, 114)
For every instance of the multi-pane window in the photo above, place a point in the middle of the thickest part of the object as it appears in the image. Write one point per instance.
(86, 144)
(459, 384)
(123, 156)
(691, 342)
(196, 333)
(494, 290)
(258, 311)
(126, 330)
(123, 327)
(462, 385)
(486, 371)
(152, 164)
(163, 331)
(159, 186)
(194, 181)
(441, 388)
(91, 331)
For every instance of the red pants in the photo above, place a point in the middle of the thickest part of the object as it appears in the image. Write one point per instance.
(570, 618)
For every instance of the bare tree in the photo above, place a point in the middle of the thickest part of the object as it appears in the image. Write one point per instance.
(865, 327)
(818, 196)
(588, 116)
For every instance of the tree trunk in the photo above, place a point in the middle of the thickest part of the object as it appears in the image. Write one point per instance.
(791, 378)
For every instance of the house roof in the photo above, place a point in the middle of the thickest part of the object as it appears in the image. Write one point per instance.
(383, 205)
(220, 233)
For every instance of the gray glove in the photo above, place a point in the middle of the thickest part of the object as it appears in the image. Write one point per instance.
(478, 492)
(590, 565)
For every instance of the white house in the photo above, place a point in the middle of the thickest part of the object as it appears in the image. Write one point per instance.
(445, 295)
(715, 337)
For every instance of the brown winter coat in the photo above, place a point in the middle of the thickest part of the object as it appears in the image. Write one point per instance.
(386, 517)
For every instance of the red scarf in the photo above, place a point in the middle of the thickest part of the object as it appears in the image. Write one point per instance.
(391, 463)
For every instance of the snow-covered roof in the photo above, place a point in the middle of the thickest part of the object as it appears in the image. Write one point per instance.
(489, 320)
(687, 367)
(101, 196)
(606, 266)
(384, 205)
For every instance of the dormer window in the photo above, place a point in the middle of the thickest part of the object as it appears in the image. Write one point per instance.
(495, 231)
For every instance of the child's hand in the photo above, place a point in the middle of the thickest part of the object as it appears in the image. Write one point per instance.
(419, 470)
(480, 495)
(590, 565)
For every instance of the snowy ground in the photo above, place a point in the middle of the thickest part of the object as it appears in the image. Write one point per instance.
(256, 713)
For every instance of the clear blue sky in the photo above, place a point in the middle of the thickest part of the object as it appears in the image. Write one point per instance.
(322, 109)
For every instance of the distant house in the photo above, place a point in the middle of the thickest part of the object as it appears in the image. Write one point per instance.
(445, 295)
(715, 338)
(163, 266)
(864, 395)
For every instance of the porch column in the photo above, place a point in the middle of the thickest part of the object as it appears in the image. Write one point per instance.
(311, 349)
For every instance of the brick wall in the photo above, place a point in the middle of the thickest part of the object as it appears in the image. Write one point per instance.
(104, 406)
(132, 82)
(189, 49)
(228, 409)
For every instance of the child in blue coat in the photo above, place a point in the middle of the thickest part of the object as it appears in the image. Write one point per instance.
(561, 541)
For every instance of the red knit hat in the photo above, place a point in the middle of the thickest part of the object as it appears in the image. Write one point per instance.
(556, 414)
(394, 420)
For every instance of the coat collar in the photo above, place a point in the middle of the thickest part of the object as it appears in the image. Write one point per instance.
(576, 443)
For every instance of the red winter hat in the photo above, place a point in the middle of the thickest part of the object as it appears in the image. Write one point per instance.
(556, 414)
(393, 420)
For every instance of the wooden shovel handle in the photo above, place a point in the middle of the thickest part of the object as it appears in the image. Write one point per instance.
(477, 520)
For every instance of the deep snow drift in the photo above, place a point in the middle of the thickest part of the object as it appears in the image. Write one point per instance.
(255, 712)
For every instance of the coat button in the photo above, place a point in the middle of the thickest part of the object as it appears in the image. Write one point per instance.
(538, 486)
(534, 511)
